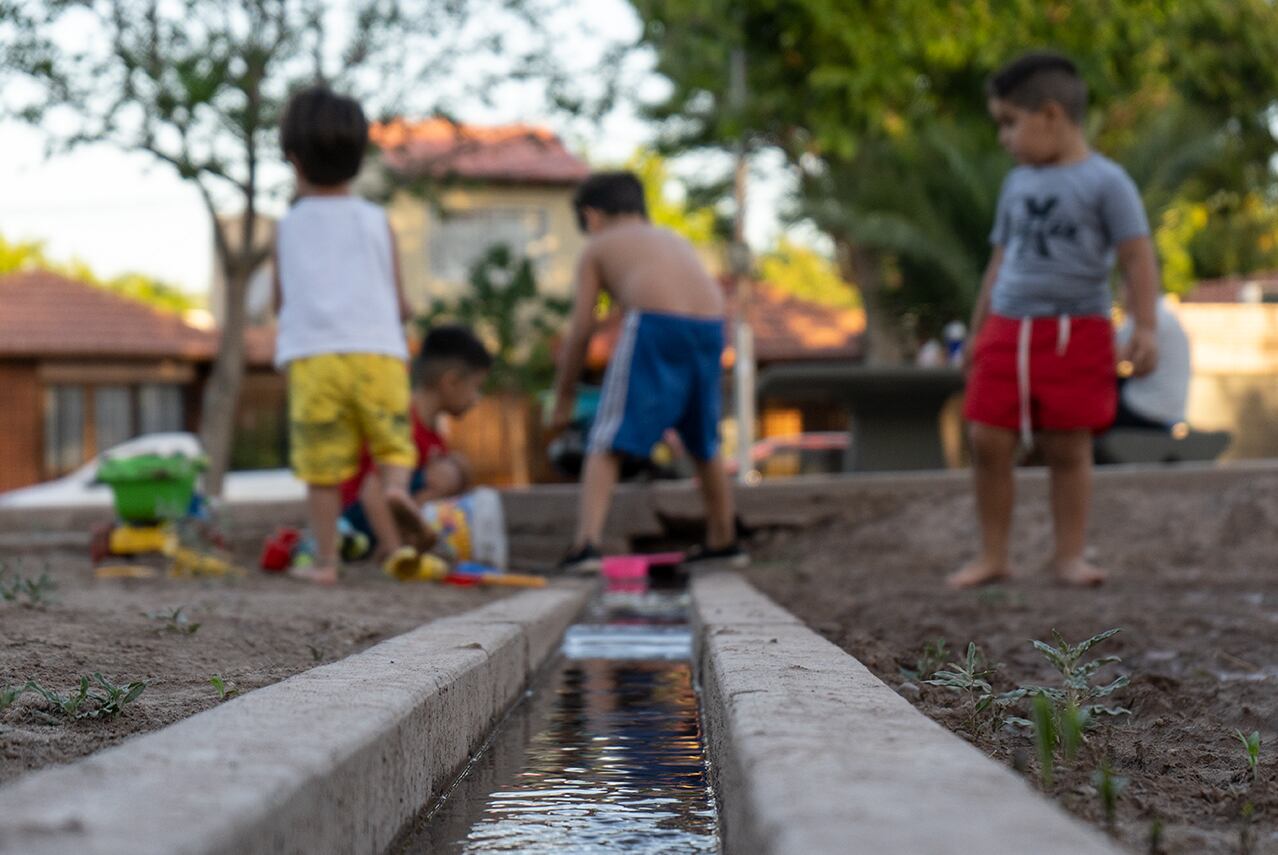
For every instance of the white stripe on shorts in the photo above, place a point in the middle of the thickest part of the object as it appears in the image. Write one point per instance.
(612, 402)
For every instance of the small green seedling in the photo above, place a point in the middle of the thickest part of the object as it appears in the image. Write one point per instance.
(223, 687)
(1156, 836)
(930, 658)
(9, 694)
(1251, 744)
(1045, 736)
(112, 702)
(175, 620)
(1077, 674)
(1108, 788)
(969, 677)
(67, 705)
(38, 592)
(83, 703)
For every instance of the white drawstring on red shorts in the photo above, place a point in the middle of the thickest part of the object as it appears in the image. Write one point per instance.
(1023, 343)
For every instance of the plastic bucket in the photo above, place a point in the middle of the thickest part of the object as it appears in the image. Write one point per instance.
(149, 488)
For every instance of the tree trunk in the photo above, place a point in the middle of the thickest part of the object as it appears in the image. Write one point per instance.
(222, 393)
(884, 339)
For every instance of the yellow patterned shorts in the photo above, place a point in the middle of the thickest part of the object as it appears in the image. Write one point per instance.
(341, 403)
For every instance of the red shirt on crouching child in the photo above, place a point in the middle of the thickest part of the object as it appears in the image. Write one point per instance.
(430, 445)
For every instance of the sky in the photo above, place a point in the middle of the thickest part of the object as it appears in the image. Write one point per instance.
(123, 212)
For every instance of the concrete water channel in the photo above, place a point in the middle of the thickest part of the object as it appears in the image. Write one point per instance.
(603, 754)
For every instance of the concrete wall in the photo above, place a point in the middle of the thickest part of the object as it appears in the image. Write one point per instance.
(414, 219)
(1235, 381)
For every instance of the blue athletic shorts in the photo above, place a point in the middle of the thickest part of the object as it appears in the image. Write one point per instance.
(665, 373)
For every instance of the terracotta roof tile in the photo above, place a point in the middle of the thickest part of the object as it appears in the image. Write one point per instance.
(786, 329)
(1231, 289)
(517, 154)
(44, 314)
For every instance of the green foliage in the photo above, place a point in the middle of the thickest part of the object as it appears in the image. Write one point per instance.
(970, 677)
(9, 694)
(30, 255)
(1108, 788)
(1045, 736)
(105, 700)
(1077, 672)
(891, 129)
(803, 272)
(699, 225)
(174, 620)
(505, 309)
(37, 591)
(1251, 745)
(931, 658)
(224, 688)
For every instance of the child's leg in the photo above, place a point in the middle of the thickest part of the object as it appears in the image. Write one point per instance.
(372, 496)
(597, 483)
(1069, 456)
(324, 506)
(716, 493)
(409, 526)
(993, 459)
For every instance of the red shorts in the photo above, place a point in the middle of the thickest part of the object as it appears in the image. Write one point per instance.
(1071, 383)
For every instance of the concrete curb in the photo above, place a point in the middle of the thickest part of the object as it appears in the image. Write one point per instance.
(333, 760)
(812, 753)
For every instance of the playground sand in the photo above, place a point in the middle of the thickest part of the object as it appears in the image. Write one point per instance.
(253, 631)
(1194, 589)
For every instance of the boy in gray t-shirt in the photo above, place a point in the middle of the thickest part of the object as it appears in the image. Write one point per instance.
(1043, 364)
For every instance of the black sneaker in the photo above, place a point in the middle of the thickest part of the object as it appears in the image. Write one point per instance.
(733, 555)
(585, 559)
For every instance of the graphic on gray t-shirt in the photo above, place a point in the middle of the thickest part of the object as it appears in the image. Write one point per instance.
(1058, 226)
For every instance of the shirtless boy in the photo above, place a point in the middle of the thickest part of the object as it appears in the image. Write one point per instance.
(665, 371)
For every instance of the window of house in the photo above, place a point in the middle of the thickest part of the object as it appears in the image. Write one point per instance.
(63, 429)
(458, 240)
(161, 408)
(81, 421)
(112, 415)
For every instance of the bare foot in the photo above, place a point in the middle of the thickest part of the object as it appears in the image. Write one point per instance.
(976, 573)
(326, 576)
(413, 530)
(1078, 573)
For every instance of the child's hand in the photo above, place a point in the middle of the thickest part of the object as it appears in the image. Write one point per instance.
(561, 415)
(1140, 352)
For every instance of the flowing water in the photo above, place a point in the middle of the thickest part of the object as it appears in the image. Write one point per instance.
(604, 754)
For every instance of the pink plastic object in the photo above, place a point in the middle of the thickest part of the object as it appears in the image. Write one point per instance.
(625, 566)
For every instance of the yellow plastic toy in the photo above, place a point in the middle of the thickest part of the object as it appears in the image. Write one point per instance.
(135, 540)
(189, 563)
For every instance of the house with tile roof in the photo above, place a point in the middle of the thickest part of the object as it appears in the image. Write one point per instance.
(83, 369)
(451, 192)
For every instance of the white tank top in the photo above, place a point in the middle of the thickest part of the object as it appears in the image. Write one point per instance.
(337, 280)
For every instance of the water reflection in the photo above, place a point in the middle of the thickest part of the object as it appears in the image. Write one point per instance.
(606, 756)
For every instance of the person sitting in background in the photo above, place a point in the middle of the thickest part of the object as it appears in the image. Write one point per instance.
(1158, 400)
(447, 377)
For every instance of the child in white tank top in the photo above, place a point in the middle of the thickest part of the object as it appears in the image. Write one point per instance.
(341, 312)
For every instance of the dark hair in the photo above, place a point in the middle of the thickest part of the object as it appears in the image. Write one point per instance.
(610, 192)
(1032, 80)
(326, 134)
(449, 347)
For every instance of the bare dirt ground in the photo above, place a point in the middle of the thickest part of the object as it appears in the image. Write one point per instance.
(252, 632)
(1194, 591)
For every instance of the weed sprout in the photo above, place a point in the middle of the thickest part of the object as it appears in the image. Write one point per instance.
(1251, 744)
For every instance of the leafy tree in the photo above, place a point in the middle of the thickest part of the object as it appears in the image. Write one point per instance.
(698, 224)
(804, 272)
(30, 255)
(858, 91)
(199, 86)
(506, 310)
